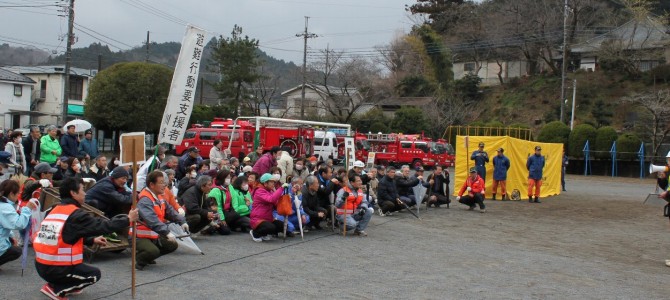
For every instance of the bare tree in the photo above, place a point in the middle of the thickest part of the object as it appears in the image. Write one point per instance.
(264, 92)
(346, 84)
(657, 105)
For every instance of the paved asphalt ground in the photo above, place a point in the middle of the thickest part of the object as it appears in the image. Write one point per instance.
(596, 241)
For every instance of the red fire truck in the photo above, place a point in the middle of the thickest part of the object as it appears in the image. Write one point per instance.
(398, 149)
(361, 143)
(442, 152)
(299, 139)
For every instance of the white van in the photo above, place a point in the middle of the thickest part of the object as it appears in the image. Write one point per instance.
(325, 145)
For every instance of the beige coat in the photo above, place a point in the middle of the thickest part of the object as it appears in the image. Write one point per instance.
(285, 164)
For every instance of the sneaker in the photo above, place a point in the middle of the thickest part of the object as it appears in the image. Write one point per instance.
(667, 262)
(305, 229)
(49, 292)
(482, 210)
(267, 238)
(360, 233)
(257, 240)
(74, 292)
(381, 213)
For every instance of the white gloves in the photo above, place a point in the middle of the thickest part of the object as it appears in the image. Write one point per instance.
(45, 183)
(285, 185)
(181, 211)
(373, 210)
(185, 227)
(458, 198)
(483, 193)
(469, 189)
(87, 180)
(171, 237)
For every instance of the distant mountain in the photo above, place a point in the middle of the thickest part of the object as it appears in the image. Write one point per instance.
(287, 73)
(21, 56)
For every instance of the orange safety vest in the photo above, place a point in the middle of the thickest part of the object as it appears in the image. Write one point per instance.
(36, 193)
(48, 244)
(352, 202)
(159, 207)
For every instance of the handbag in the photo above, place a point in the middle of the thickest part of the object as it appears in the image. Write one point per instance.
(284, 206)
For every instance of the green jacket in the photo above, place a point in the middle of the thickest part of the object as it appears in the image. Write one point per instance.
(238, 202)
(220, 198)
(47, 144)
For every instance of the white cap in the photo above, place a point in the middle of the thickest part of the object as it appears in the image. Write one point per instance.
(359, 164)
(247, 169)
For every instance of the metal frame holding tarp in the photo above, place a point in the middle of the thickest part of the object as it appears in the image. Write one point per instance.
(517, 151)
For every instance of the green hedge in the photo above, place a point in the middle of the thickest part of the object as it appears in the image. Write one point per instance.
(628, 142)
(605, 136)
(554, 132)
(578, 137)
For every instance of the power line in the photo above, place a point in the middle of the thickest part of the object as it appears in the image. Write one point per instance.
(79, 26)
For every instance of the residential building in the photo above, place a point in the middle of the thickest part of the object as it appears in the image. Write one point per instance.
(47, 97)
(323, 100)
(643, 42)
(391, 105)
(15, 97)
(491, 72)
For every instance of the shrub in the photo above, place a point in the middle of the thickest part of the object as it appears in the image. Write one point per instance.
(578, 138)
(379, 127)
(605, 136)
(554, 132)
(628, 145)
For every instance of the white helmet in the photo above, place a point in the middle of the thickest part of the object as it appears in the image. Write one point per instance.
(359, 164)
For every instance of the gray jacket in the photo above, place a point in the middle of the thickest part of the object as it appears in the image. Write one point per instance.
(148, 216)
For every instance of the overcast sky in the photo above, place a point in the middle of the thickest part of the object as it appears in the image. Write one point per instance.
(348, 24)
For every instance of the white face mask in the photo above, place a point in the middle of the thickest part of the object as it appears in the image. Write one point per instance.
(77, 166)
(227, 181)
(245, 187)
(194, 174)
(117, 162)
(298, 167)
(276, 177)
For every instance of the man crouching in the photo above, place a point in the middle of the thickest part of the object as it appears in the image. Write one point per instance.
(154, 239)
(357, 212)
(59, 245)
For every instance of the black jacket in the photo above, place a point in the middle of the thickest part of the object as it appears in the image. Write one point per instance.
(310, 203)
(183, 185)
(108, 198)
(438, 185)
(387, 191)
(326, 188)
(98, 173)
(28, 149)
(195, 202)
(70, 145)
(82, 224)
(405, 185)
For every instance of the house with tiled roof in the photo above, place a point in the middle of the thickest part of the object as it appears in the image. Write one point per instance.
(15, 94)
(47, 96)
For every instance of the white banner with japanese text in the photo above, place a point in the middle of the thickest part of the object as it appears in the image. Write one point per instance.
(182, 90)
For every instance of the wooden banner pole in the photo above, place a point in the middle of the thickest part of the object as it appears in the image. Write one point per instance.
(134, 239)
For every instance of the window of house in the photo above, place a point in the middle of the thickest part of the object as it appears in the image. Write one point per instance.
(18, 90)
(76, 88)
(43, 89)
(469, 67)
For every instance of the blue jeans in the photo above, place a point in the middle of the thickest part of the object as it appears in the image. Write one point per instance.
(409, 200)
(292, 223)
(356, 221)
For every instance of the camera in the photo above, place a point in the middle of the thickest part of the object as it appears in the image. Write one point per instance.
(365, 178)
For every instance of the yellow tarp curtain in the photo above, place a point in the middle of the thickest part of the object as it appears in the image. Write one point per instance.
(517, 151)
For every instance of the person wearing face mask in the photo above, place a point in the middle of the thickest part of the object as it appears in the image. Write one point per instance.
(15, 148)
(40, 178)
(187, 182)
(235, 203)
(267, 161)
(190, 158)
(11, 220)
(299, 169)
(74, 168)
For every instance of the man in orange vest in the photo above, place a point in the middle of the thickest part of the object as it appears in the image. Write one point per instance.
(40, 178)
(154, 239)
(59, 244)
(356, 206)
(475, 187)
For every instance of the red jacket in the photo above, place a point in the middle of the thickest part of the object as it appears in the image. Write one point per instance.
(476, 186)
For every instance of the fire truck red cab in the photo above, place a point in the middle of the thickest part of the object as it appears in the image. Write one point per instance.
(398, 149)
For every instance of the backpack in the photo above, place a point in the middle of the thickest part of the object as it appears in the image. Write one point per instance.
(284, 205)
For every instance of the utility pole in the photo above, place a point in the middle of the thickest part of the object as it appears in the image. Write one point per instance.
(99, 62)
(565, 57)
(147, 58)
(306, 35)
(574, 97)
(68, 58)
